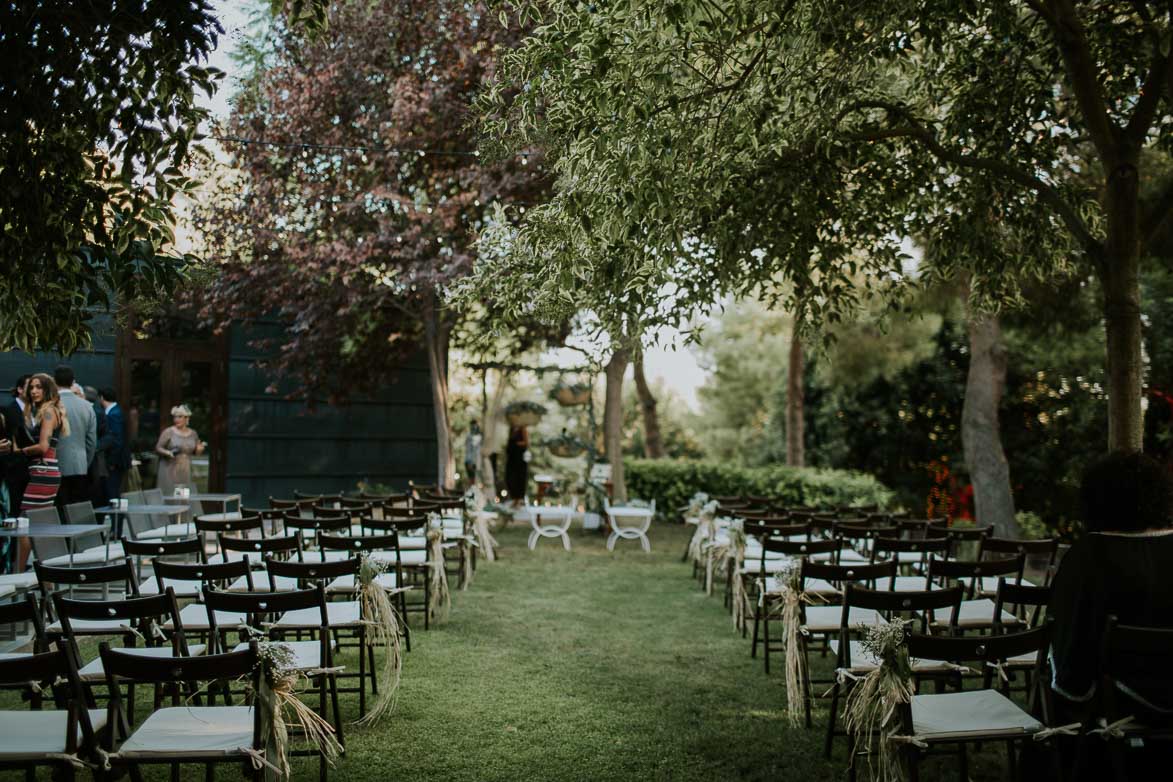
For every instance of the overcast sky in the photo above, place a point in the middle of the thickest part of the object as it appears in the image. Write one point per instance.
(676, 367)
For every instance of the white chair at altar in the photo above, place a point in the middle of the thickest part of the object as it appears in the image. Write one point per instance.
(550, 521)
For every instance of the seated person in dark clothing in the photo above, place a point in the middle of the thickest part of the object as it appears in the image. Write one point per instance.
(1122, 566)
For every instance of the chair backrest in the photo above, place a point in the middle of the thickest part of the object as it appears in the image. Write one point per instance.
(27, 610)
(214, 574)
(401, 525)
(123, 667)
(184, 547)
(1047, 547)
(80, 513)
(776, 527)
(971, 533)
(136, 497)
(968, 571)
(919, 606)
(138, 613)
(261, 607)
(249, 521)
(862, 530)
(800, 548)
(153, 496)
(43, 516)
(54, 671)
(1025, 601)
(847, 574)
(1128, 651)
(280, 547)
(987, 649)
(50, 575)
(308, 573)
(360, 543)
(922, 546)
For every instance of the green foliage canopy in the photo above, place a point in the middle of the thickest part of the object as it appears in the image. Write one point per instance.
(98, 119)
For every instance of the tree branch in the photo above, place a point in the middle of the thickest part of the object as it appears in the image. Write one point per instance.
(913, 129)
(1159, 78)
(1071, 40)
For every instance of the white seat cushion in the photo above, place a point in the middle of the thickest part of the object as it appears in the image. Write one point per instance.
(813, 586)
(338, 614)
(14, 655)
(7, 590)
(1021, 661)
(94, 671)
(307, 655)
(194, 616)
(182, 588)
(180, 530)
(988, 585)
(904, 584)
(92, 626)
(413, 542)
(412, 557)
(969, 715)
(261, 583)
(30, 734)
(863, 662)
(346, 584)
(318, 555)
(199, 731)
(256, 559)
(846, 556)
(754, 566)
(973, 614)
(826, 619)
(20, 580)
(95, 555)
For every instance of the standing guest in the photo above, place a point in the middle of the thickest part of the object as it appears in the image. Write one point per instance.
(79, 443)
(472, 451)
(516, 467)
(1123, 566)
(112, 445)
(177, 443)
(98, 471)
(48, 423)
(14, 466)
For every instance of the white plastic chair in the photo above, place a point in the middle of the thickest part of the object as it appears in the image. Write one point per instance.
(638, 531)
(552, 522)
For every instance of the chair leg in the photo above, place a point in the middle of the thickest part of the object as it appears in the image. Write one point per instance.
(209, 772)
(766, 636)
(963, 763)
(332, 680)
(362, 672)
(374, 673)
(831, 721)
(565, 541)
(427, 602)
(174, 772)
(757, 621)
(647, 544)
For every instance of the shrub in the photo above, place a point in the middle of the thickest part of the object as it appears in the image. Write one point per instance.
(672, 482)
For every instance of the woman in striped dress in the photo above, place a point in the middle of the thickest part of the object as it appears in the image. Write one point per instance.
(45, 419)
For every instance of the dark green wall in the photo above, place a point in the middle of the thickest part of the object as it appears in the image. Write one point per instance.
(277, 444)
(93, 367)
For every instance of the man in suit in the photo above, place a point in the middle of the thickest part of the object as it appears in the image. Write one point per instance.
(15, 464)
(75, 451)
(113, 444)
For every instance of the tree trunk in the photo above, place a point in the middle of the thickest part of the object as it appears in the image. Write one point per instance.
(1120, 280)
(436, 334)
(980, 435)
(613, 423)
(795, 423)
(490, 429)
(653, 440)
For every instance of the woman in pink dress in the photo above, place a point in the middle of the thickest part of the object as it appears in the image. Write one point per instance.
(177, 444)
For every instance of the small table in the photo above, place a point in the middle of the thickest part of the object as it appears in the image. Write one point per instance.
(67, 532)
(220, 497)
(561, 514)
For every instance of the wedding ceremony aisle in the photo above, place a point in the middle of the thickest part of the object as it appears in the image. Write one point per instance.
(590, 665)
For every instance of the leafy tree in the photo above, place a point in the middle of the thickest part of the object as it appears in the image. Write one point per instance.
(358, 211)
(98, 122)
(704, 149)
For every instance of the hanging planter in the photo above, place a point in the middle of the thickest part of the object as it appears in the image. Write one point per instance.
(524, 413)
(571, 395)
(566, 446)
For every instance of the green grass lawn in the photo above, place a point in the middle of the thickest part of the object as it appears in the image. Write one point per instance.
(589, 665)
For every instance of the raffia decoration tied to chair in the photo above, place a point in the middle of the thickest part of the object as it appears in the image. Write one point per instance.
(383, 630)
(440, 602)
(870, 711)
(792, 597)
(283, 709)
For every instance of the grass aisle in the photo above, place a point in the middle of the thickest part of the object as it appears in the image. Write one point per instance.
(586, 665)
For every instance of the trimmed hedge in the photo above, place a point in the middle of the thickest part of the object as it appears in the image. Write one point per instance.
(671, 483)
